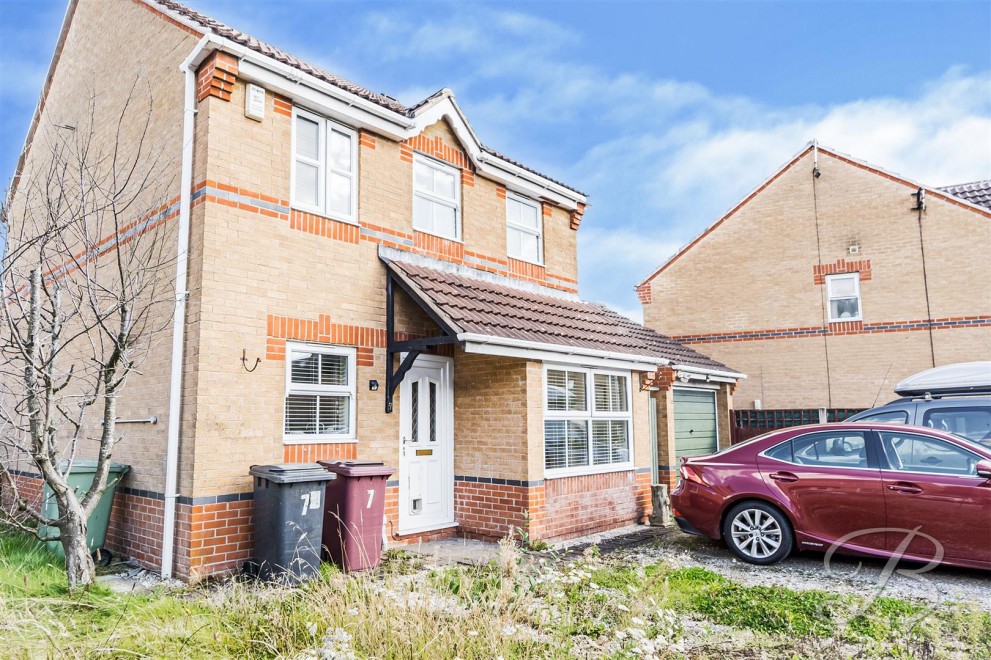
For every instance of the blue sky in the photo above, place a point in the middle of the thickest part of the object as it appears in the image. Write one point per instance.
(666, 113)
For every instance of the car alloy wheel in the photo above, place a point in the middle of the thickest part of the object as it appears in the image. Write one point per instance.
(757, 533)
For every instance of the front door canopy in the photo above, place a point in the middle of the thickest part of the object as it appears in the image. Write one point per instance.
(411, 347)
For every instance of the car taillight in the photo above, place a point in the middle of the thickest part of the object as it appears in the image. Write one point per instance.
(692, 473)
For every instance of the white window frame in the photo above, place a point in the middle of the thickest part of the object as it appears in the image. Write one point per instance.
(589, 415)
(349, 390)
(539, 232)
(855, 276)
(420, 159)
(325, 170)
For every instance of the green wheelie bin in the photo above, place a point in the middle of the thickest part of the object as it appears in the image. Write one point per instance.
(80, 479)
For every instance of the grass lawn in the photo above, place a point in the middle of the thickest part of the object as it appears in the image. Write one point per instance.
(514, 608)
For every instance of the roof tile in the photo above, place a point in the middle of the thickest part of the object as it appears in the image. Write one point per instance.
(486, 308)
(976, 192)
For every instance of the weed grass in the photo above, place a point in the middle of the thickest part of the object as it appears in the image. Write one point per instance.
(514, 607)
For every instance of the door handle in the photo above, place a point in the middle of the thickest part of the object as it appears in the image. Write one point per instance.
(905, 489)
(784, 477)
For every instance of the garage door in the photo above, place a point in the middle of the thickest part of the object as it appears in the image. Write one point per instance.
(694, 422)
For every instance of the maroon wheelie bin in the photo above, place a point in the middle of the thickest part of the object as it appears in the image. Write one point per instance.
(355, 508)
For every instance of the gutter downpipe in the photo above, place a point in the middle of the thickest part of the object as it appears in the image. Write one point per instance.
(188, 69)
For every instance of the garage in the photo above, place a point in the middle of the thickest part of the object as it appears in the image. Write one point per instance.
(694, 422)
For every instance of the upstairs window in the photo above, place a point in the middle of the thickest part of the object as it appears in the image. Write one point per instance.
(587, 421)
(320, 392)
(524, 229)
(436, 198)
(843, 292)
(325, 167)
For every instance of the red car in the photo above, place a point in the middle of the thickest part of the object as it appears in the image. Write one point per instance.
(873, 489)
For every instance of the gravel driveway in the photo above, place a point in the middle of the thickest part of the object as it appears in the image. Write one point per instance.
(847, 575)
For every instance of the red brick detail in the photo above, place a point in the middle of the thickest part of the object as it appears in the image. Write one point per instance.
(216, 76)
(527, 270)
(405, 153)
(662, 379)
(311, 453)
(846, 328)
(135, 530)
(644, 293)
(467, 178)
(576, 216)
(319, 225)
(281, 105)
(489, 511)
(546, 209)
(862, 266)
(436, 147)
(366, 140)
(220, 538)
(437, 247)
(576, 506)
(501, 192)
(323, 330)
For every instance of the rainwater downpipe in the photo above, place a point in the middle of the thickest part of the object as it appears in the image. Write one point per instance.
(171, 494)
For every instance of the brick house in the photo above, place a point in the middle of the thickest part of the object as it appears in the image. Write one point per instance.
(831, 282)
(363, 280)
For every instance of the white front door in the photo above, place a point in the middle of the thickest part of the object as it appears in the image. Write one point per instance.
(426, 451)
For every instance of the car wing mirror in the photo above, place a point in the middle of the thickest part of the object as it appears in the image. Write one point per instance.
(984, 469)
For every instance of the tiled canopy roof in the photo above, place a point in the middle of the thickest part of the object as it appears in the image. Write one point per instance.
(259, 46)
(487, 308)
(977, 192)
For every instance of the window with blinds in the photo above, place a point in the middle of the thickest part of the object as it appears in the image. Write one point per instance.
(587, 421)
(320, 392)
(325, 167)
(524, 229)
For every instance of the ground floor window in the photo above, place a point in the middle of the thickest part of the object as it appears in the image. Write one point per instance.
(587, 420)
(320, 392)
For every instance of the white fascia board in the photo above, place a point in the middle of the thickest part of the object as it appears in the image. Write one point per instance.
(730, 375)
(489, 345)
(512, 176)
(314, 94)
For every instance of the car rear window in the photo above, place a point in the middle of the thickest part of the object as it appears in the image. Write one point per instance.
(973, 423)
(826, 449)
(886, 417)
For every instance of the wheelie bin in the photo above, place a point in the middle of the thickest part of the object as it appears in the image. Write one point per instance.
(352, 526)
(80, 479)
(289, 503)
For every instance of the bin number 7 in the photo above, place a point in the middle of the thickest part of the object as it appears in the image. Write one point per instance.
(311, 501)
(371, 496)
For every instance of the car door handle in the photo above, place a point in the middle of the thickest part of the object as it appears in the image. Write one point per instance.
(905, 489)
(784, 477)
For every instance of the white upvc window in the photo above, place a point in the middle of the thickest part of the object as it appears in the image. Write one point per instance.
(843, 292)
(524, 229)
(436, 198)
(324, 167)
(587, 421)
(320, 393)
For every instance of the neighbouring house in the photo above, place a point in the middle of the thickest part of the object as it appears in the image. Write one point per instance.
(365, 280)
(829, 283)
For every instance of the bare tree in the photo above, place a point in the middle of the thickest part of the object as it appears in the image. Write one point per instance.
(86, 289)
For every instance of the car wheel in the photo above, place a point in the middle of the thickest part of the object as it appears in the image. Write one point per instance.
(757, 533)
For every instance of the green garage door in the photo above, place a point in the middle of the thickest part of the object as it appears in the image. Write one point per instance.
(694, 422)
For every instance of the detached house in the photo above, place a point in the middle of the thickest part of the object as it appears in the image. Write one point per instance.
(363, 280)
(831, 282)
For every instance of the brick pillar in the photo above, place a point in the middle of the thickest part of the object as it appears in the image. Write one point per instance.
(216, 77)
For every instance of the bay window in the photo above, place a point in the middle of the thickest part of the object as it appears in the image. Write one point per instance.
(587, 421)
